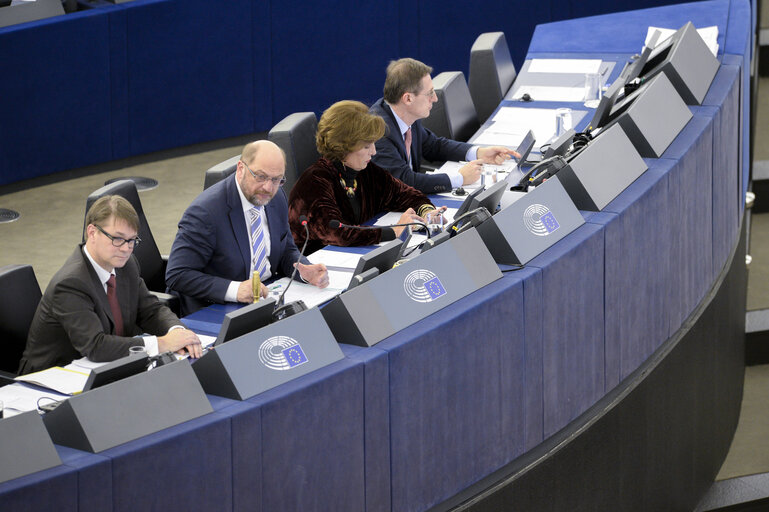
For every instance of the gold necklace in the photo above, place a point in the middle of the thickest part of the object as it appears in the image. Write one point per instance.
(350, 190)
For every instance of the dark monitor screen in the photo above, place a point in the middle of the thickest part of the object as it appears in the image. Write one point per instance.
(603, 110)
(634, 70)
(116, 370)
(382, 258)
(467, 203)
(560, 146)
(525, 147)
(245, 320)
(490, 197)
(359, 279)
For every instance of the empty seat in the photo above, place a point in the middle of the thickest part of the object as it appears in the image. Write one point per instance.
(295, 135)
(453, 115)
(492, 72)
(220, 171)
(19, 297)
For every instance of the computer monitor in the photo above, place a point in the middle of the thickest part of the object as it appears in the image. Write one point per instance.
(359, 279)
(245, 320)
(467, 203)
(116, 370)
(560, 146)
(525, 147)
(635, 69)
(382, 258)
(490, 197)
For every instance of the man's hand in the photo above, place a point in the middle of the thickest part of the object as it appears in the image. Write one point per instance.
(408, 216)
(178, 339)
(496, 154)
(316, 275)
(471, 172)
(246, 291)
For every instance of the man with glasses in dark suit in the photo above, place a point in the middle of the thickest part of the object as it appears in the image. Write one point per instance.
(235, 228)
(97, 305)
(408, 98)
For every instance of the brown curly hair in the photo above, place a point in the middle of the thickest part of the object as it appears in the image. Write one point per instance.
(344, 126)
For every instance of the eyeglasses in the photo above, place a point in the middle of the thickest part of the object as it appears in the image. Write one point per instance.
(429, 94)
(261, 178)
(120, 242)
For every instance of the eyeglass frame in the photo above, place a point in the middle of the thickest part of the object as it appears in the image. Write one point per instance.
(264, 178)
(121, 241)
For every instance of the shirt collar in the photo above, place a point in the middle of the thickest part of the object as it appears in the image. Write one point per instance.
(401, 123)
(102, 274)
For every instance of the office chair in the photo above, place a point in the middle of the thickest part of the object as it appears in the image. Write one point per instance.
(220, 171)
(19, 297)
(295, 135)
(152, 263)
(453, 115)
(492, 72)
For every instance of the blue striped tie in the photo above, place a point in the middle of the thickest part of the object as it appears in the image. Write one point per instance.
(259, 259)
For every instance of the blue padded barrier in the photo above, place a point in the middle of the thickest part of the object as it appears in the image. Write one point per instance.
(638, 261)
(691, 182)
(724, 95)
(303, 425)
(376, 396)
(198, 451)
(572, 325)
(625, 32)
(454, 368)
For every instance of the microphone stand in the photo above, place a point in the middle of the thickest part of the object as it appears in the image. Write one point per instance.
(282, 310)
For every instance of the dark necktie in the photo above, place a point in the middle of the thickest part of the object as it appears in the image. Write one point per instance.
(114, 305)
(407, 140)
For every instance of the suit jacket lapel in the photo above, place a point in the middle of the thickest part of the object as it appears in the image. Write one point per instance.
(238, 223)
(98, 293)
(399, 136)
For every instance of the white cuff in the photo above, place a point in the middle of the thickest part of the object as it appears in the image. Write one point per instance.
(232, 292)
(472, 154)
(151, 344)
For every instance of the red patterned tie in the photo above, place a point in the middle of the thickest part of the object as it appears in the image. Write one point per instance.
(114, 305)
(407, 140)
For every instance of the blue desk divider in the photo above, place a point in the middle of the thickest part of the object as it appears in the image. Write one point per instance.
(603, 169)
(652, 116)
(531, 224)
(26, 446)
(128, 409)
(268, 357)
(371, 312)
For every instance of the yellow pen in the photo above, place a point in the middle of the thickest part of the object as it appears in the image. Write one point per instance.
(256, 283)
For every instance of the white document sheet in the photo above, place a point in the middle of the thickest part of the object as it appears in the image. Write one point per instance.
(580, 66)
(335, 260)
(552, 93)
(311, 295)
(18, 398)
(64, 380)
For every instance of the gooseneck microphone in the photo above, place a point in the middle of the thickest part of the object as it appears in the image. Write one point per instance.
(336, 224)
(281, 310)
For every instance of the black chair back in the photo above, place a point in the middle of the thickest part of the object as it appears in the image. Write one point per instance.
(19, 297)
(295, 135)
(147, 253)
(220, 171)
(492, 72)
(453, 115)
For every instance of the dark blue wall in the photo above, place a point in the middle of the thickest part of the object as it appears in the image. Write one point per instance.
(128, 79)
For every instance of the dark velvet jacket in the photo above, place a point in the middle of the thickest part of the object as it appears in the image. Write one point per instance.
(320, 196)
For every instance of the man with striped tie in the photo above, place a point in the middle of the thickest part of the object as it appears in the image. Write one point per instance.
(234, 228)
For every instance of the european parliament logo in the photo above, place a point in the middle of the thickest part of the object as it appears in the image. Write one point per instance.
(539, 220)
(423, 286)
(281, 353)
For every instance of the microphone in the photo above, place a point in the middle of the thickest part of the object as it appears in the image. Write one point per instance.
(336, 224)
(471, 219)
(281, 310)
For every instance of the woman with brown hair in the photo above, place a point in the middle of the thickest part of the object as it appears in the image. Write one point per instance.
(344, 184)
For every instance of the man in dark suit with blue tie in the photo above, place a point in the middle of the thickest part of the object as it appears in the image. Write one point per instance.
(234, 228)
(408, 97)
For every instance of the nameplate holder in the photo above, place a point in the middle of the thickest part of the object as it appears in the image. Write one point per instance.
(602, 170)
(26, 447)
(531, 224)
(652, 116)
(128, 409)
(409, 292)
(260, 360)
